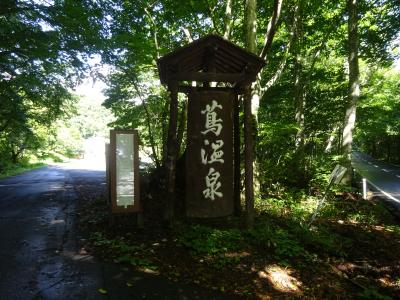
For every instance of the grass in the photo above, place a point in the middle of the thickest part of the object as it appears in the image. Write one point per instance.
(30, 162)
(12, 170)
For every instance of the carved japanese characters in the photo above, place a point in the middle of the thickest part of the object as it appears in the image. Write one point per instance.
(209, 161)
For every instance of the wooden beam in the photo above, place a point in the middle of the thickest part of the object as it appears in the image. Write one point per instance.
(208, 76)
(188, 89)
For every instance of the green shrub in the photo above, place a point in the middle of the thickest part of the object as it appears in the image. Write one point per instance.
(205, 240)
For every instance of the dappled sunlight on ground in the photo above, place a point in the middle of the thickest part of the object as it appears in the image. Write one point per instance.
(281, 279)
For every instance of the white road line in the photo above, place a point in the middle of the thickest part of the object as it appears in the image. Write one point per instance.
(375, 166)
(384, 170)
(383, 192)
(398, 176)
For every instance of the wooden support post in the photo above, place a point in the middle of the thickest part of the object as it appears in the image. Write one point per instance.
(171, 151)
(248, 159)
(236, 158)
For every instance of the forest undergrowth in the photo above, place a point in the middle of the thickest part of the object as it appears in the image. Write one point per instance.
(351, 250)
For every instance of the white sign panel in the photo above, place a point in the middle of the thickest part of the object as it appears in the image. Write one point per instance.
(125, 170)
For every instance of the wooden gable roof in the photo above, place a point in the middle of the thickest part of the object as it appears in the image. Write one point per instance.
(211, 58)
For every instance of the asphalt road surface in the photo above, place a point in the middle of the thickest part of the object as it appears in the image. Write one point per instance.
(382, 178)
(39, 254)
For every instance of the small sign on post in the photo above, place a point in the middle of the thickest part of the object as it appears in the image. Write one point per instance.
(337, 175)
(124, 171)
(335, 178)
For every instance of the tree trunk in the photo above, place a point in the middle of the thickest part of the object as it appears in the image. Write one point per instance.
(298, 91)
(331, 139)
(181, 127)
(250, 26)
(228, 19)
(354, 88)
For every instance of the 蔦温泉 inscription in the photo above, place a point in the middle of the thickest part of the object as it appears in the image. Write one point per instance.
(214, 155)
(209, 181)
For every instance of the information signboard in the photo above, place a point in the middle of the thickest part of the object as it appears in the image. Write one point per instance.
(124, 171)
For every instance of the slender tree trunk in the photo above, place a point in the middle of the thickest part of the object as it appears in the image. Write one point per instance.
(181, 126)
(331, 139)
(271, 28)
(299, 102)
(165, 132)
(298, 91)
(354, 88)
(253, 101)
(228, 19)
(153, 144)
(250, 27)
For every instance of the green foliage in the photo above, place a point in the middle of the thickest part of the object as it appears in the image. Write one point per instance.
(42, 56)
(372, 294)
(7, 170)
(205, 240)
(280, 240)
(378, 131)
(142, 106)
(363, 212)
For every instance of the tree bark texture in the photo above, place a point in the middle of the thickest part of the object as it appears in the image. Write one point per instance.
(228, 19)
(181, 127)
(250, 27)
(298, 91)
(271, 29)
(354, 87)
(248, 159)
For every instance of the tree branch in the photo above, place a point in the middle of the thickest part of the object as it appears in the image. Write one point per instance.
(187, 34)
(148, 121)
(213, 20)
(154, 32)
(271, 28)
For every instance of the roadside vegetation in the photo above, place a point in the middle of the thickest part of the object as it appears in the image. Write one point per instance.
(349, 252)
(59, 142)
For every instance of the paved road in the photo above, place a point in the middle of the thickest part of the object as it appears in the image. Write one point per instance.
(39, 254)
(383, 178)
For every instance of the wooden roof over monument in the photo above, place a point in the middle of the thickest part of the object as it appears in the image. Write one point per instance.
(211, 58)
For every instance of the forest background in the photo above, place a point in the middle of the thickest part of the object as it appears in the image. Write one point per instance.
(330, 86)
(300, 99)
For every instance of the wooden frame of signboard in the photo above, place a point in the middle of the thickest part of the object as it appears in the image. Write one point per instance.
(115, 208)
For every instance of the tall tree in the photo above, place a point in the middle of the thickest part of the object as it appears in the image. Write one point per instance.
(250, 30)
(354, 86)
